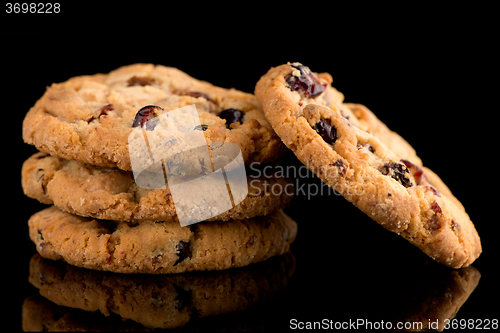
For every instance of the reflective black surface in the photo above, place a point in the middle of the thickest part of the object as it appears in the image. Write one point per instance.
(343, 269)
(430, 86)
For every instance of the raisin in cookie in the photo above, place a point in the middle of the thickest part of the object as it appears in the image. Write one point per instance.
(371, 166)
(112, 194)
(90, 118)
(159, 247)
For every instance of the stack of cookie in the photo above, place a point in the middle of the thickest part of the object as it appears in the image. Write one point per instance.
(92, 130)
(104, 218)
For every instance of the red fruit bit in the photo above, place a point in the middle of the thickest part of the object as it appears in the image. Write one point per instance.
(431, 188)
(341, 166)
(417, 172)
(145, 114)
(307, 82)
(362, 145)
(436, 208)
(102, 111)
(140, 81)
(42, 241)
(432, 223)
(326, 130)
(398, 172)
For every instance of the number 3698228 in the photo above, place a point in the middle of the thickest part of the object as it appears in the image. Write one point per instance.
(33, 8)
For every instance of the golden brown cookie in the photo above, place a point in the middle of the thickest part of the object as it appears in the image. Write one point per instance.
(159, 247)
(89, 118)
(371, 166)
(112, 194)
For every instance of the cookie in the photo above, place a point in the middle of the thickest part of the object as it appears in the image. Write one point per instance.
(159, 247)
(112, 194)
(161, 301)
(90, 118)
(372, 167)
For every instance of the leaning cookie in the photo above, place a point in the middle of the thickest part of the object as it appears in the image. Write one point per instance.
(112, 194)
(90, 118)
(159, 247)
(352, 152)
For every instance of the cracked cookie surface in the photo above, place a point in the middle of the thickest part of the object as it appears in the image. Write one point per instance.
(112, 194)
(159, 247)
(353, 152)
(89, 118)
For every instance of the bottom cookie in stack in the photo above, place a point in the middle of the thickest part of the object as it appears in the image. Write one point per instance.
(159, 247)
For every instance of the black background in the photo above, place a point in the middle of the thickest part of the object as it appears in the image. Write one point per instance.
(430, 75)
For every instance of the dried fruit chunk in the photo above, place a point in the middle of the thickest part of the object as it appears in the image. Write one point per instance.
(102, 111)
(231, 116)
(183, 252)
(363, 145)
(41, 177)
(341, 166)
(140, 81)
(307, 82)
(201, 127)
(145, 114)
(455, 227)
(398, 172)
(417, 172)
(432, 223)
(326, 130)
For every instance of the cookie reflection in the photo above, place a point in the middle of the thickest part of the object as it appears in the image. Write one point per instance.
(159, 301)
(436, 297)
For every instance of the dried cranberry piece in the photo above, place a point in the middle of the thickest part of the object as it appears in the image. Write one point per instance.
(341, 166)
(231, 116)
(306, 82)
(431, 188)
(398, 172)
(432, 223)
(201, 127)
(362, 145)
(145, 114)
(183, 252)
(40, 178)
(140, 81)
(326, 130)
(102, 111)
(417, 172)
(41, 240)
(455, 227)
(436, 208)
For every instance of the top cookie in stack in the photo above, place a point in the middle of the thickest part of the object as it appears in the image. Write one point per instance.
(83, 128)
(90, 118)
